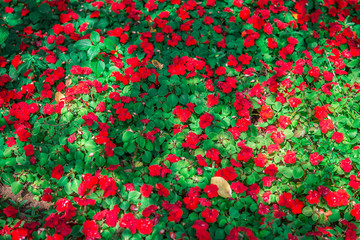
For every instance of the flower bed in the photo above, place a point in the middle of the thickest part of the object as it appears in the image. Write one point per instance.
(179, 119)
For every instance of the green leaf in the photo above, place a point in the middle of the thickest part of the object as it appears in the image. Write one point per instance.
(16, 187)
(93, 52)
(95, 37)
(172, 100)
(134, 196)
(307, 211)
(128, 136)
(100, 161)
(109, 44)
(98, 67)
(234, 213)
(75, 185)
(298, 172)
(353, 63)
(44, 8)
(4, 33)
(356, 123)
(286, 172)
(83, 44)
(124, 205)
(335, 216)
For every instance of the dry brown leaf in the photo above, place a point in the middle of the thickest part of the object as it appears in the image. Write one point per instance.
(224, 187)
(68, 82)
(59, 96)
(157, 64)
(139, 164)
(299, 132)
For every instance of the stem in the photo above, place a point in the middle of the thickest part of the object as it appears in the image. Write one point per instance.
(133, 158)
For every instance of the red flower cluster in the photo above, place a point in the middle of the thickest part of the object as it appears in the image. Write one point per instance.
(295, 205)
(157, 171)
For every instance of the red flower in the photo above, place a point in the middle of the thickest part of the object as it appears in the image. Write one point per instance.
(64, 205)
(208, 20)
(47, 195)
(112, 216)
(285, 200)
(210, 215)
(100, 107)
(146, 190)
(244, 13)
(315, 158)
(182, 114)
(266, 113)
(57, 172)
(290, 157)
(278, 137)
(29, 150)
(23, 134)
(356, 212)
(10, 211)
(191, 140)
(263, 209)
(271, 43)
(271, 170)
(128, 221)
(89, 183)
(55, 237)
(149, 210)
(200, 225)
(227, 173)
(190, 41)
(220, 71)
(210, 3)
(91, 230)
(123, 114)
(108, 185)
(294, 102)
(162, 191)
(155, 170)
(172, 158)
(313, 197)
(346, 165)
(84, 201)
(211, 190)
(338, 137)
(191, 202)
(19, 234)
(321, 112)
(129, 187)
(354, 182)
(284, 122)
(201, 160)
(297, 206)
(213, 154)
(238, 187)
(314, 72)
(326, 125)
(205, 120)
(328, 76)
(16, 61)
(144, 226)
(175, 214)
(337, 199)
(260, 160)
(267, 181)
(245, 154)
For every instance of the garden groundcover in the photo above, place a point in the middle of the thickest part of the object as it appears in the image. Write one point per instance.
(171, 119)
